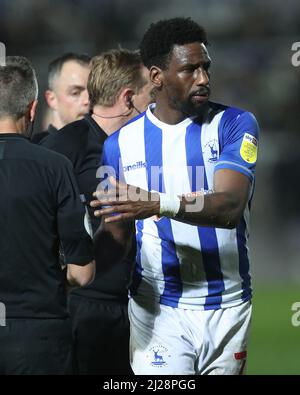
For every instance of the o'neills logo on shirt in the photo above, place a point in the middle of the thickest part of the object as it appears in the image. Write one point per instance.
(137, 165)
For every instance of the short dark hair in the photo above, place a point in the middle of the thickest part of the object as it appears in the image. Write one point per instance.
(56, 65)
(157, 44)
(18, 87)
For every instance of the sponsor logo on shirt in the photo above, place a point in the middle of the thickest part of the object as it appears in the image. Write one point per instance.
(137, 165)
(249, 148)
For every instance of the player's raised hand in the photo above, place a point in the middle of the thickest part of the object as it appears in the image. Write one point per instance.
(123, 202)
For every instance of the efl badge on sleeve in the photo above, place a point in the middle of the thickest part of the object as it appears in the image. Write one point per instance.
(249, 147)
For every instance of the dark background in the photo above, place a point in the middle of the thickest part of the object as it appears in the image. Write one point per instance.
(250, 45)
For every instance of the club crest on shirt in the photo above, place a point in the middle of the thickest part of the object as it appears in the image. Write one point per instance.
(158, 355)
(249, 148)
(212, 150)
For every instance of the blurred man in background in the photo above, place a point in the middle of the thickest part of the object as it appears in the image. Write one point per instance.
(119, 89)
(40, 207)
(67, 95)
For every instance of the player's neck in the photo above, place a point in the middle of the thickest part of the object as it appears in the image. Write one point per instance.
(8, 125)
(168, 115)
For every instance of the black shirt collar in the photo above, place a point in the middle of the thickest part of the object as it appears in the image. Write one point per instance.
(52, 129)
(13, 135)
(95, 127)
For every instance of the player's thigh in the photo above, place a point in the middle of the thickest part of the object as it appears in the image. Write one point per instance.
(227, 342)
(158, 345)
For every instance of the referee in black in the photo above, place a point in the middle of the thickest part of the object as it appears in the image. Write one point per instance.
(39, 208)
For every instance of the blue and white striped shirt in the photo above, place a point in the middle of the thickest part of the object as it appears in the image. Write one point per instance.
(180, 265)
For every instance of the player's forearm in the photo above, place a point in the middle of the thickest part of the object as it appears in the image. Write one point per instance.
(219, 210)
(79, 276)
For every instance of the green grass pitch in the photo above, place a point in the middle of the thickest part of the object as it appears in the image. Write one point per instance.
(274, 346)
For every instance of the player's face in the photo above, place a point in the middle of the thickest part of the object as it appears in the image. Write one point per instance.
(186, 80)
(70, 89)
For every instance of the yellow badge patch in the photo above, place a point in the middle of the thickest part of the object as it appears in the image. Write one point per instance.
(249, 147)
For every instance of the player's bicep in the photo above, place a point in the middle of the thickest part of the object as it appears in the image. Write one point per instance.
(237, 185)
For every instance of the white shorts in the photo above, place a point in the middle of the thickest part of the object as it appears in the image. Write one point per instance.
(175, 341)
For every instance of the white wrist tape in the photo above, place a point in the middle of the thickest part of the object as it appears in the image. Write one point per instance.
(169, 205)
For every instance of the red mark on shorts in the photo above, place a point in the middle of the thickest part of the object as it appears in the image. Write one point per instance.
(241, 355)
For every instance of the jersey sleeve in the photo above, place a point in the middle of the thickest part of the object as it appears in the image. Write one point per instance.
(239, 136)
(77, 244)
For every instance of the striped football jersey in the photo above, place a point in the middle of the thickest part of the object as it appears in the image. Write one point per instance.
(180, 265)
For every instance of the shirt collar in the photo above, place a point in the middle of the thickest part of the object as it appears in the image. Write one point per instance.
(13, 135)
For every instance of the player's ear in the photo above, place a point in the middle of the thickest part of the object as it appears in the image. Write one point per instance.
(32, 110)
(127, 95)
(51, 100)
(156, 76)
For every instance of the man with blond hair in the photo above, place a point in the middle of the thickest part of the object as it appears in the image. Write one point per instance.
(119, 89)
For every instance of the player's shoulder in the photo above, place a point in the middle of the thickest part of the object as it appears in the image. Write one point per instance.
(131, 124)
(234, 121)
(231, 114)
(127, 128)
